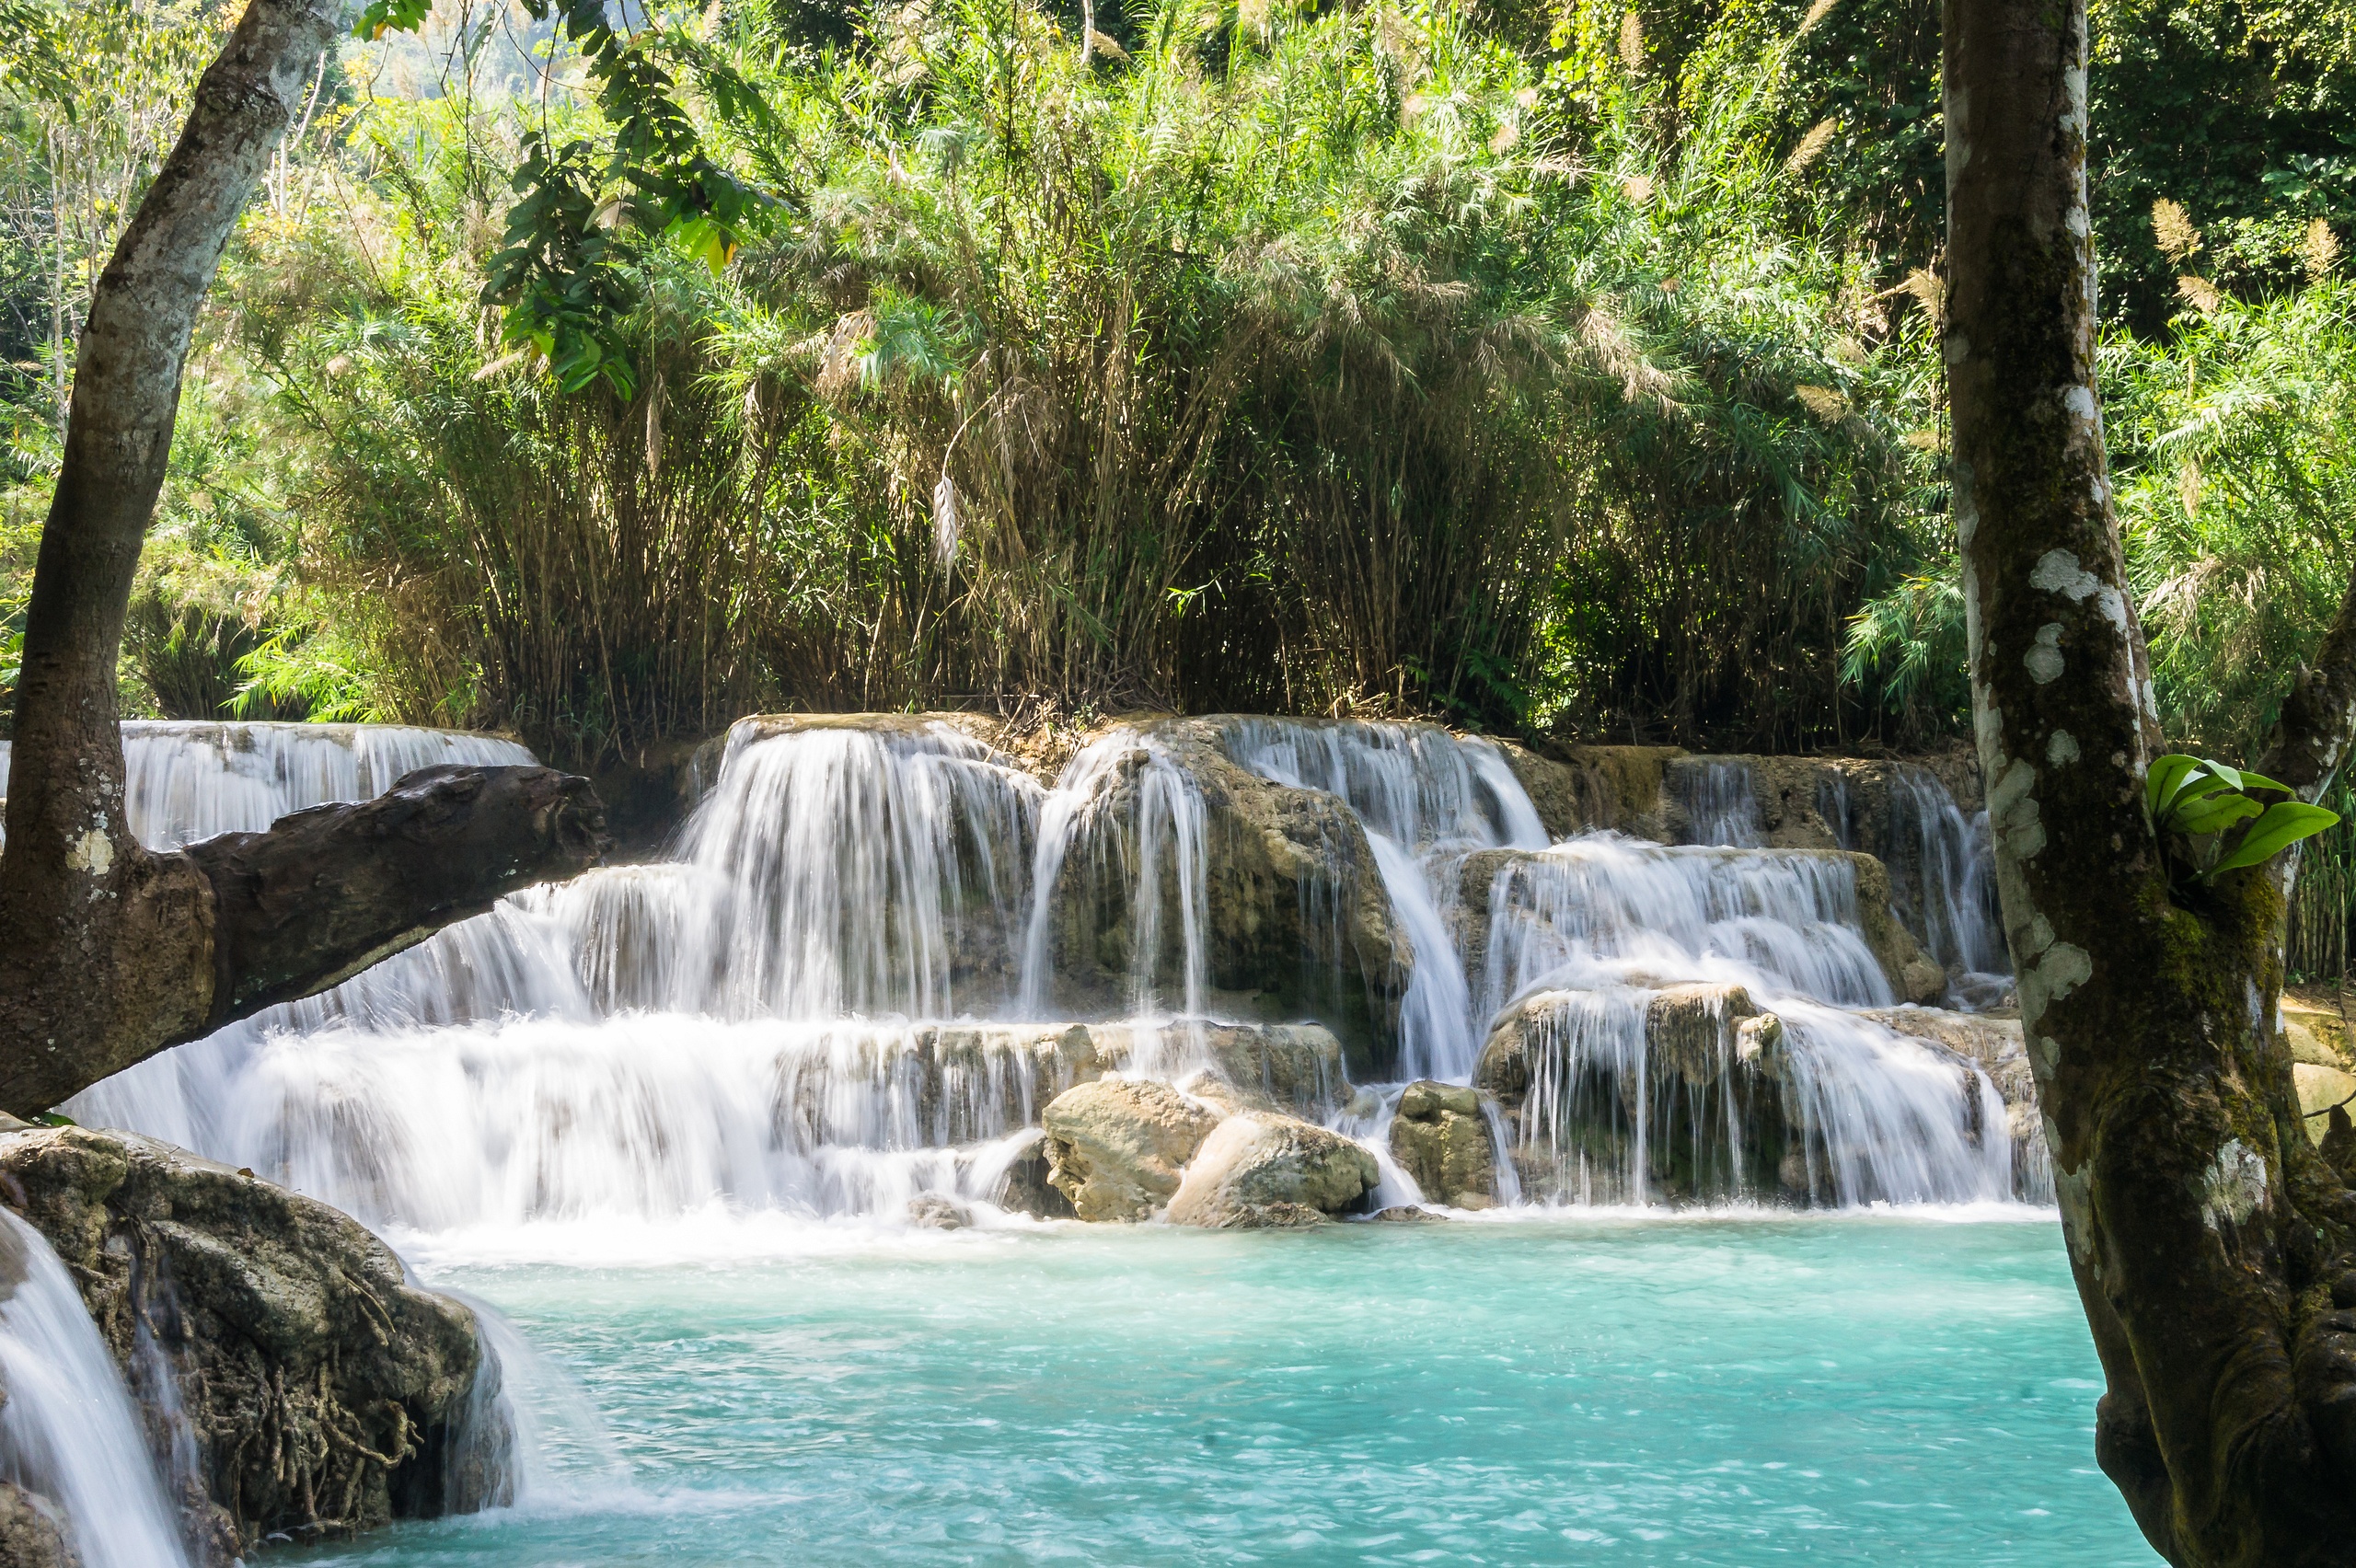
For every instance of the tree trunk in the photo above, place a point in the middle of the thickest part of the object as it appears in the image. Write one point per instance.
(2211, 1245)
(108, 953)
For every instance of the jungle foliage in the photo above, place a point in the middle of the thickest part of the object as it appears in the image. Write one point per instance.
(1570, 369)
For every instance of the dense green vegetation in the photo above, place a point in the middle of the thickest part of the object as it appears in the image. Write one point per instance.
(1570, 370)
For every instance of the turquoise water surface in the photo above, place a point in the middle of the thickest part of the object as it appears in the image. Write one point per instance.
(1887, 1389)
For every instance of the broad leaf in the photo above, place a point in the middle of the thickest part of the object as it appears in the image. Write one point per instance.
(2283, 825)
(2215, 814)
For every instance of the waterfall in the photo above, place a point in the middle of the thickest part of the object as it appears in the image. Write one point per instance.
(68, 1430)
(1605, 909)
(1427, 798)
(1596, 926)
(1722, 805)
(189, 781)
(855, 982)
(1942, 881)
(1136, 820)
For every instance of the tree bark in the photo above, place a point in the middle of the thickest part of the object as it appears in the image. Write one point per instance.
(108, 952)
(249, 920)
(2211, 1244)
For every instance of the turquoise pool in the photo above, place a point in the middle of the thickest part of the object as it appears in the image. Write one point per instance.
(1896, 1389)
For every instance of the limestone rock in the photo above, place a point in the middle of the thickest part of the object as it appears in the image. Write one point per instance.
(2320, 1088)
(1294, 1067)
(323, 1392)
(1407, 1214)
(1440, 1138)
(1589, 788)
(1025, 1187)
(936, 1211)
(1261, 1170)
(1297, 922)
(1115, 1147)
(31, 1532)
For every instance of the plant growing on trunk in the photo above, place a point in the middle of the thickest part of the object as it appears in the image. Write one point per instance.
(2214, 1245)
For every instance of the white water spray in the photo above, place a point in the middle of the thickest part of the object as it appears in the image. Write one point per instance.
(68, 1432)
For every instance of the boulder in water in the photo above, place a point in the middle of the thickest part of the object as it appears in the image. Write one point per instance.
(322, 1392)
(936, 1211)
(1115, 1147)
(1026, 1187)
(1441, 1138)
(1262, 1170)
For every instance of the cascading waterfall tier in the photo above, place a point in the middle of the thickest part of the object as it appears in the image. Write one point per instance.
(1676, 1022)
(1427, 798)
(882, 946)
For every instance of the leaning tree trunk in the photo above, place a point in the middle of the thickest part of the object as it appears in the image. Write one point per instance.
(2214, 1249)
(108, 952)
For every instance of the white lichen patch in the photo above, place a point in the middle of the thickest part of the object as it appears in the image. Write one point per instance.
(2013, 810)
(2058, 571)
(2234, 1185)
(2044, 656)
(2061, 748)
(2079, 401)
(93, 852)
(2073, 1195)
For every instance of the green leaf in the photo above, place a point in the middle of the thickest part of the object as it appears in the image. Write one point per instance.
(2161, 782)
(2214, 814)
(392, 16)
(2283, 825)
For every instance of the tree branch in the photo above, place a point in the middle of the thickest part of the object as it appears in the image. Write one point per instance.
(248, 920)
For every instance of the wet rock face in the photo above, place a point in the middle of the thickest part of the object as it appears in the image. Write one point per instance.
(1296, 920)
(1117, 1146)
(1912, 975)
(322, 1394)
(1616, 1097)
(1441, 1139)
(30, 1533)
(1027, 1187)
(1263, 1171)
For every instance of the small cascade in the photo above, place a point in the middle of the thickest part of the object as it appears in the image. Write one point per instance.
(1627, 958)
(1126, 823)
(531, 1440)
(189, 780)
(1605, 907)
(1721, 804)
(1942, 875)
(68, 1430)
(1427, 799)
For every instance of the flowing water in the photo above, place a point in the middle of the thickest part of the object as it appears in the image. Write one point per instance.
(68, 1430)
(186, 780)
(670, 1118)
